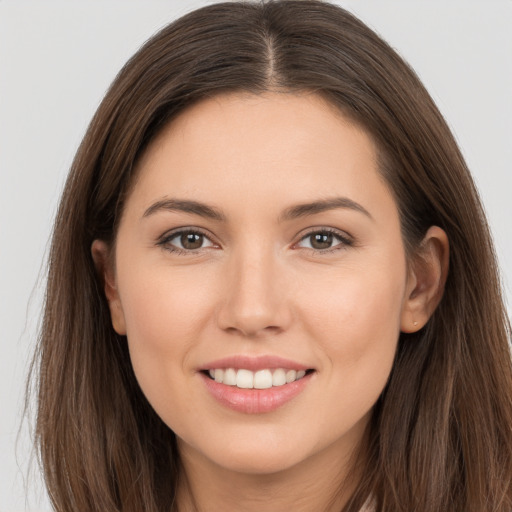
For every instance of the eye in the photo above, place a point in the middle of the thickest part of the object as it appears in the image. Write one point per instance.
(186, 241)
(323, 240)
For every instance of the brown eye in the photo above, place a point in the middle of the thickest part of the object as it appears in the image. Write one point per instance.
(323, 240)
(184, 241)
(191, 241)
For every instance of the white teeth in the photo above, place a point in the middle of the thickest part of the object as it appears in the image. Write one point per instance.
(262, 379)
(291, 375)
(229, 377)
(279, 377)
(244, 379)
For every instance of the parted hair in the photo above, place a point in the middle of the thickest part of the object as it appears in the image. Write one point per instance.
(440, 436)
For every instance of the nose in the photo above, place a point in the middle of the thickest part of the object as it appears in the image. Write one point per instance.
(255, 297)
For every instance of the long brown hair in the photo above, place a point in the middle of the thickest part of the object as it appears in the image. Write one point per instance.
(440, 435)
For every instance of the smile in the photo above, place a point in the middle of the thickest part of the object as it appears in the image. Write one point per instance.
(255, 385)
(261, 379)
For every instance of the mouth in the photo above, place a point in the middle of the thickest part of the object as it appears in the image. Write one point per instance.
(262, 379)
(255, 385)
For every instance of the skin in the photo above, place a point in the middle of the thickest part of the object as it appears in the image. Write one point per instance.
(256, 286)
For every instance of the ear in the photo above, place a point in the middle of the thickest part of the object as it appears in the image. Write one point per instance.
(101, 254)
(426, 279)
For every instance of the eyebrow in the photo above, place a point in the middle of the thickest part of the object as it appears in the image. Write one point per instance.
(305, 209)
(293, 212)
(187, 206)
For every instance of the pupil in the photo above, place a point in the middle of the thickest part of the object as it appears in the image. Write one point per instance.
(191, 241)
(321, 240)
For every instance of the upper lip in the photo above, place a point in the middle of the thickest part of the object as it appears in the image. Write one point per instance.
(254, 363)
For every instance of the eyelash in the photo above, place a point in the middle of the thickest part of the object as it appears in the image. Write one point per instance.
(343, 238)
(165, 241)
(344, 241)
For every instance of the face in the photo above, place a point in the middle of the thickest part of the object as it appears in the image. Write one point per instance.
(261, 280)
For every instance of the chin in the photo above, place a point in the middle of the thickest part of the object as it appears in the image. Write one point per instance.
(249, 452)
(262, 461)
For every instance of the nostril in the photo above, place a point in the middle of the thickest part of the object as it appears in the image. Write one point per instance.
(248, 332)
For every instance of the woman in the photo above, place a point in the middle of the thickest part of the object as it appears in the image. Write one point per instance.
(271, 284)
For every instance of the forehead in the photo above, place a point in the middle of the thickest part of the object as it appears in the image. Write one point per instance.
(246, 147)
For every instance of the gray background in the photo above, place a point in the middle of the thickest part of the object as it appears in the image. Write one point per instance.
(56, 61)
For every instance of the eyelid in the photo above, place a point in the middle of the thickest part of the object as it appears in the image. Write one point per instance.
(164, 240)
(345, 238)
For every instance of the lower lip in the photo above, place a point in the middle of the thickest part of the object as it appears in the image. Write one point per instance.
(255, 401)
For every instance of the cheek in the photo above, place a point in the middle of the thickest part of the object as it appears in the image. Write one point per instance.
(357, 325)
(164, 316)
(161, 306)
(356, 302)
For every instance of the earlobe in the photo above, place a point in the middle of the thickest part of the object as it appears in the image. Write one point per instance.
(428, 271)
(100, 252)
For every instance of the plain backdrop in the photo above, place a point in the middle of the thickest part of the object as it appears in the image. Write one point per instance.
(58, 58)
